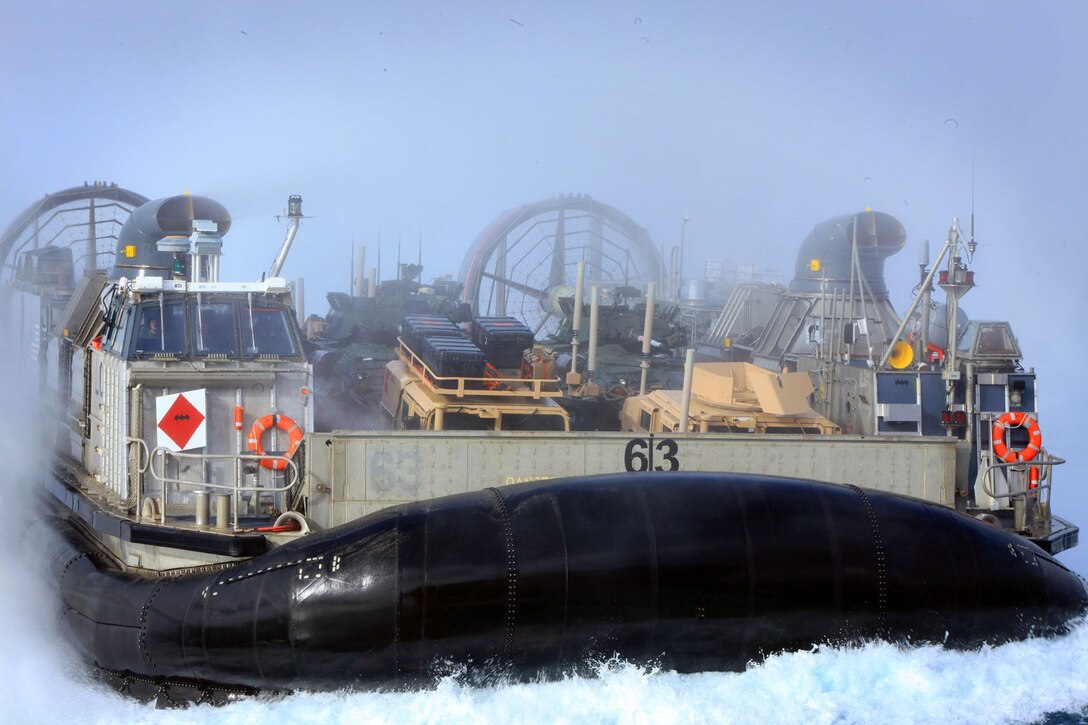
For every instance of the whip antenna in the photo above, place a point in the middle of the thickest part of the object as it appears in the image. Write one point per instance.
(971, 242)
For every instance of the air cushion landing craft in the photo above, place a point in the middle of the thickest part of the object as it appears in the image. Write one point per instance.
(207, 540)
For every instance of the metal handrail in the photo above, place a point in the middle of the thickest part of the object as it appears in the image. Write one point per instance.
(1048, 462)
(160, 453)
(145, 460)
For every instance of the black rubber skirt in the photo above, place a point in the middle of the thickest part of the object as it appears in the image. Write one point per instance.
(691, 571)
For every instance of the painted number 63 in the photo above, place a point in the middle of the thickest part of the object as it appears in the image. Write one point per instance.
(639, 454)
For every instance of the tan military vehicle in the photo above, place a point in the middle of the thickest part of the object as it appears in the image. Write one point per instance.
(730, 397)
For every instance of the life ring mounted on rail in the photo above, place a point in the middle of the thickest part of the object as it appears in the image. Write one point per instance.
(1016, 419)
(274, 420)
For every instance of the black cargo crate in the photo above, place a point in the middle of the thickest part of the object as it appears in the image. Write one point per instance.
(449, 357)
(414, 329)
(503, 339)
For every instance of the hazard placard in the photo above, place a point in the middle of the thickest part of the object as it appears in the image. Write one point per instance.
(182, 420)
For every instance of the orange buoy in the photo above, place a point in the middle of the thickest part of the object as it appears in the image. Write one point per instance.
(274, 420)
(1016, 419)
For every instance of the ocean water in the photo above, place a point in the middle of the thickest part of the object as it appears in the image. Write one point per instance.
(1031, 681)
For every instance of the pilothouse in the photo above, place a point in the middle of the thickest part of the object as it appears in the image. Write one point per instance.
(178, 363)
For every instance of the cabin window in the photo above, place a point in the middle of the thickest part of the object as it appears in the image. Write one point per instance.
(115, 338)
(988, 339)
(160, 330)
(214, 332)
(268, 331)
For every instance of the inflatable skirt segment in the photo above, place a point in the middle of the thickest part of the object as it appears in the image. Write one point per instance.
(689, 571)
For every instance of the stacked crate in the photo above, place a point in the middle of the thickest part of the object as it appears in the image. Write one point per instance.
(415, 329)
(442, 347)
(453, 357)
(502, 339)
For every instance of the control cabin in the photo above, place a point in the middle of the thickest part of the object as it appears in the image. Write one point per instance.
(161, 380)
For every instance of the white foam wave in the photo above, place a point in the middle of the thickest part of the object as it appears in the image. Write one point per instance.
(878, 682)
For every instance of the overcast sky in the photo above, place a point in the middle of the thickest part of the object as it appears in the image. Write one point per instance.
(756, 120)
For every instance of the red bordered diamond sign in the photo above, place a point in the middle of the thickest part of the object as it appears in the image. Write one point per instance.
(182, 420)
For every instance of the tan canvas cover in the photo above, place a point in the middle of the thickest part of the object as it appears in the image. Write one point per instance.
(747, 385)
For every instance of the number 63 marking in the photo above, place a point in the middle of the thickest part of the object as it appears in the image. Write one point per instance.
(639, 454)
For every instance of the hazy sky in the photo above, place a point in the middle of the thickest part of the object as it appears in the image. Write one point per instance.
(756, 120)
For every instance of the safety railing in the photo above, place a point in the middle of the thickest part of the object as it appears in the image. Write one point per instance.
(1045, 461)
(1023, 495)
(161, 456)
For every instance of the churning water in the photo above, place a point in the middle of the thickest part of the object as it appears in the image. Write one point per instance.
(1031, 681)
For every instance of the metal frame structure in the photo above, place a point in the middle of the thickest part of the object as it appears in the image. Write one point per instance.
(90, 216)
(524, 262)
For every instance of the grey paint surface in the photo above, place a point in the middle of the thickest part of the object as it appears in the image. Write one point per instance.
(354, 473)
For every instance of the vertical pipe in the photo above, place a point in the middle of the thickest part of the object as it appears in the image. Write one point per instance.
(594, 309)
(647, 335)
(372, 286)
(358, 282)
(240, 447)
(680, 262)
(300, 300)
(663, 275)
(273, 445)
(969, 405)
(136, 425)
(853, 271)
(953, 303)
(576, 324)
(92, 240)
(923, 337)
(685, 396)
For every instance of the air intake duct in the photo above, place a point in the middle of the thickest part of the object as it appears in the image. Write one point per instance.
(138, 252)
(878, 236)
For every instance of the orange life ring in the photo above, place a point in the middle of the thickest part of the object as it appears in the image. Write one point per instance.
(1010, 420)
(274, 420)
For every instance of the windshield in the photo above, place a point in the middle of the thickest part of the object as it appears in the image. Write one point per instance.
(214, 331)
(161, 330)
(988, 339)
(268, 331)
